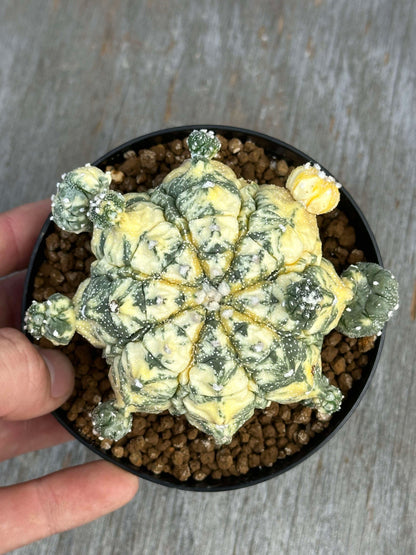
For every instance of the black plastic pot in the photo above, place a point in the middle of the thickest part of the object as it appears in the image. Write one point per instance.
(365, 241)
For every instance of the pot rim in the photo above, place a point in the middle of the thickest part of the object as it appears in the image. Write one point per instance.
(355, 395)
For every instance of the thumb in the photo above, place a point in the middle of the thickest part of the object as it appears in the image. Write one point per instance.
(33, 381)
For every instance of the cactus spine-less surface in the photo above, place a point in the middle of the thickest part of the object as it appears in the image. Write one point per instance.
(209, 295)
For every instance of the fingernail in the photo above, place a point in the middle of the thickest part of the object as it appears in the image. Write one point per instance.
(61, 372)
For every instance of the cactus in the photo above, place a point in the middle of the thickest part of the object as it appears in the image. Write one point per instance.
(209, 295)
(316, 191)
(375, 298)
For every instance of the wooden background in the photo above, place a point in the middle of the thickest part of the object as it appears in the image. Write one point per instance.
(336, 78)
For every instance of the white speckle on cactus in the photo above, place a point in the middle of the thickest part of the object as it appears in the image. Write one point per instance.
(213, 305)
(200, 297)
(214, 227)
(167, 349)
(151, 244)
(114, 307)
(217, 387)
(375, 282)
(224, 288)
(258, 347)
(184, 269)
(208, 185)
(138, 383)
(348, 309)
(289, 373)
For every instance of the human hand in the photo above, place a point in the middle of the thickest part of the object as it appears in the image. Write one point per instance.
(33, 382)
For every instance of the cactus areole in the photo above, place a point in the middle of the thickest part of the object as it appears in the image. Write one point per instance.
(209, 296)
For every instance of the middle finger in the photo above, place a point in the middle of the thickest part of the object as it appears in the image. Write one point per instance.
(11, 292)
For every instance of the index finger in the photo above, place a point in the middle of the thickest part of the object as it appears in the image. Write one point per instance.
(19, 229)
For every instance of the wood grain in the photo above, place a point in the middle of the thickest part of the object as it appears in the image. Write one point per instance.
(334, 78)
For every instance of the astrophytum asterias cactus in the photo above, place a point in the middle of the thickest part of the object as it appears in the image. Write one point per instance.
(209, 295)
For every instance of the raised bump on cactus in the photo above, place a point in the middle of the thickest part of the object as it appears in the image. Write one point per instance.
(71, 203)
(209, 296)
(203, 144)
(53, 319)
(316, 191)
(110, 422)
(325, 397)
(106, 209)
(375, 298)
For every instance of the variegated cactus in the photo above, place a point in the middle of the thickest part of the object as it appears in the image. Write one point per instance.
(209, 295)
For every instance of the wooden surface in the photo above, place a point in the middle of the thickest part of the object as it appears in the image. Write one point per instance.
(334, 78)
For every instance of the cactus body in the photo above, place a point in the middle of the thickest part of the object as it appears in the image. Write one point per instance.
(209, 295)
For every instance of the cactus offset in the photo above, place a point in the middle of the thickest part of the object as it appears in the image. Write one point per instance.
(209, 295)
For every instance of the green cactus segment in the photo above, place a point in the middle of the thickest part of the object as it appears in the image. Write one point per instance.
(144, 242)
(110, 422)
(375, 299)
(203, 144)
(279, 234)
(106, 209)
(53, 319)
(71, 203)
(147, 374)
(324, 396)
(112, 312)
(284, 228)
(277, 364)
(307, 303)
(205, 204)
(216, 396)
(214, 417)
(303, 300)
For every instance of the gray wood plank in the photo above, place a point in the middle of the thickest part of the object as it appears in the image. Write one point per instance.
(335, 78)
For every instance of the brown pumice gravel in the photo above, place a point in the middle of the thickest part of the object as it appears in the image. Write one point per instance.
(163, 443)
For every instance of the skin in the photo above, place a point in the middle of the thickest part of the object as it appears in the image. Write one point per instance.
(33, 382)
